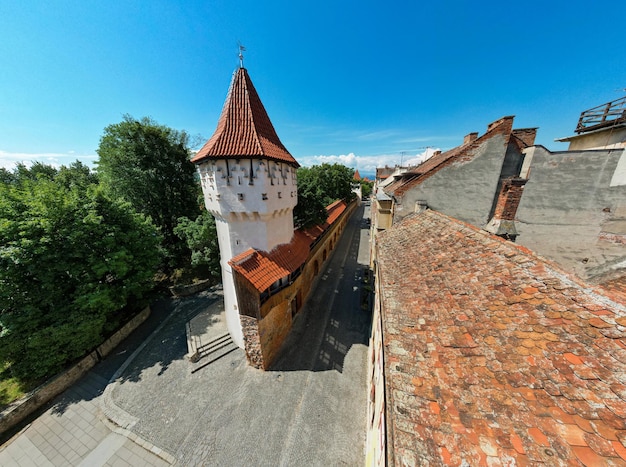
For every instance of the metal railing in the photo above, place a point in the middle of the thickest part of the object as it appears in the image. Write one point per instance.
(602, 116)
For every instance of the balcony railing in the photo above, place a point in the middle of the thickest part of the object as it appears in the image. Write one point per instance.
(604, 116)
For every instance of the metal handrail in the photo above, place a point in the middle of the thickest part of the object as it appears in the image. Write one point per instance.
(605, 115)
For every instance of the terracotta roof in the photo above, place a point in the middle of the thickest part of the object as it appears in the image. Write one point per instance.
(384, 172)
(244, 129)
(263, 268)
(616, 288)
(495, 356)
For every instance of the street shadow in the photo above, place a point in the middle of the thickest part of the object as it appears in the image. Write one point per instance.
(172, 337)
(337, 314)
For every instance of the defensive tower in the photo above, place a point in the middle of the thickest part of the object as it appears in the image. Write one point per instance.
(249, 183)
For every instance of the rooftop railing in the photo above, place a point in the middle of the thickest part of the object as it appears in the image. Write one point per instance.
(604, 116)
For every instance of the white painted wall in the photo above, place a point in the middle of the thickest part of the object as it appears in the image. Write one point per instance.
(252, 202)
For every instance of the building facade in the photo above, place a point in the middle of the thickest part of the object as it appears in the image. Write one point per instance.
(250, 186)
(484, 352)
(249, 183)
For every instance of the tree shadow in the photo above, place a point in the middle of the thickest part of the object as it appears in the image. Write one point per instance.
(169, 316)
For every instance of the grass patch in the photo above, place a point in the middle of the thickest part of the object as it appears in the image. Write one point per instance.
(11, 389)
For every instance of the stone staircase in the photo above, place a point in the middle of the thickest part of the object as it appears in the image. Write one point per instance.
(213, 350)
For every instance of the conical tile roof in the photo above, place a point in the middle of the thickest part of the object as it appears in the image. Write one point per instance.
(244, 129)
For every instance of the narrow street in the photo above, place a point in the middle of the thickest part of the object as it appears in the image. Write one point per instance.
(309, 409)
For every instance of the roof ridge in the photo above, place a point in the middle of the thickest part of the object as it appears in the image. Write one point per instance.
(255, 132)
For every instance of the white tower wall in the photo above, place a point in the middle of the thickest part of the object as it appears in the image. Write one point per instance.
(252, 201)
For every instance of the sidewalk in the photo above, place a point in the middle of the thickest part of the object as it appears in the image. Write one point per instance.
(219, 410)
(74, 429)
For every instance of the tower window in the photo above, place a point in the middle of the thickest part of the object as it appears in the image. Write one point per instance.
(264, 195)
(280, 195)
(240, 196)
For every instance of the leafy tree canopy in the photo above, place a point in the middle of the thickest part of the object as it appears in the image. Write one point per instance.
(148, 165)
(69, 259)
(366, 189)
(201, 237)
(319, 186)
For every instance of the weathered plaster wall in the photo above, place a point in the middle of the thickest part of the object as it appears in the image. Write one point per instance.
(273, 330)
(265, 326)
(605, 139)
(570, 213)
(466, 189)
(376, 428)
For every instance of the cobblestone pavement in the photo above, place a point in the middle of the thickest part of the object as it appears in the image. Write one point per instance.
(310, 409)
(72, 429)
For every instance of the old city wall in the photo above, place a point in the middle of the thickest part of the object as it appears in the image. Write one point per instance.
(573, 209)
(266, 325)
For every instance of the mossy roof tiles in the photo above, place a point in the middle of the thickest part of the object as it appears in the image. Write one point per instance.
(494, 355)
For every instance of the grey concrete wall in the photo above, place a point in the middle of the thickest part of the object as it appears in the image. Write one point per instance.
(466, 189)
(570, 213)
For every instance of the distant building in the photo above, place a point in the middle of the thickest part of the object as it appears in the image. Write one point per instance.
(602, 127)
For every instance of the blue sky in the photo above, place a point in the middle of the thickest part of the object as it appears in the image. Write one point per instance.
(366, 83)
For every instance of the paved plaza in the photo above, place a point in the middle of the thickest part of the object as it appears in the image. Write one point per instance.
(148, 404)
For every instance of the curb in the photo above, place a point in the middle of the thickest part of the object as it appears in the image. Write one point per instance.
(116, 418)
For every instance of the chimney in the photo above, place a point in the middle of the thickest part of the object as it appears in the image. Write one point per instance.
(502, 223)
(470, 138)
(436, 153)
(526, 135)
(506, 124)
(421, 205)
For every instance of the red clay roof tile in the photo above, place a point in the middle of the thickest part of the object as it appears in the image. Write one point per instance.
(262, 268)
(492, 352)
(244, 129)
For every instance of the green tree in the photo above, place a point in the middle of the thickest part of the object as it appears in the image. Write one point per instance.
(148, 165)
(319, 186)
(70, 258)
(366, 189)
(201, 237)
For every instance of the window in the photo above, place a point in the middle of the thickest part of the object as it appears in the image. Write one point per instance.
(264, 195)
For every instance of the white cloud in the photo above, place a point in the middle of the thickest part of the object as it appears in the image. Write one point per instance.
(349, 160)
(419, 158)
(368, 164)
(8, 160)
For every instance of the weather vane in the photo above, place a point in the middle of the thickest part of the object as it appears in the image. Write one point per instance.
(242, 49)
